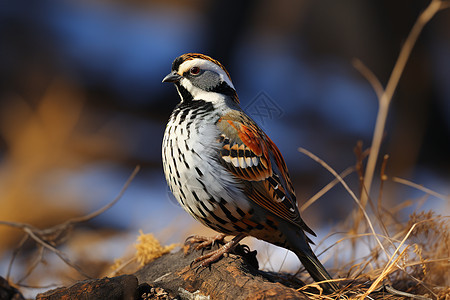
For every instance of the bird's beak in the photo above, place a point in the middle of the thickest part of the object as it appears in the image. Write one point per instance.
(172, 77)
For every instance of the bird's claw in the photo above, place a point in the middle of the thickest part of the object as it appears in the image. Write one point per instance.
(213, 256)
(205, 242)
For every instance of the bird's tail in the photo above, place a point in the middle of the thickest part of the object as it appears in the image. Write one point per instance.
(317, 271)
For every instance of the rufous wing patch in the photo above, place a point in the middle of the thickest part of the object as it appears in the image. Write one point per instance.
(243, 151)
(250, 155)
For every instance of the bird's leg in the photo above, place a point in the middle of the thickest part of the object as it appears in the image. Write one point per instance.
(204, 241)
(213, 256)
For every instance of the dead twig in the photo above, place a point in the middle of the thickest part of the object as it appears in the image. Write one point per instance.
(421, 188)
(385, 95)
(50, 238)
(326, 188)
(352, 194)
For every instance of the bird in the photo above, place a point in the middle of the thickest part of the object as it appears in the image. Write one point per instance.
(226, 172)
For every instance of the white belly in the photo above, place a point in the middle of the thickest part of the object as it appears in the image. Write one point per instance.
(194, 174)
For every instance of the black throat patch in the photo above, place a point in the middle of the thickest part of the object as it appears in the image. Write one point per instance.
(185, 95)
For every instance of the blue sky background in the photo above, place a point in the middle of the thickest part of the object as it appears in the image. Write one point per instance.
(290, 62)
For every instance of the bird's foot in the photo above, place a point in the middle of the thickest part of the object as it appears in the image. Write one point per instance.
(205, 242)
(215, 255)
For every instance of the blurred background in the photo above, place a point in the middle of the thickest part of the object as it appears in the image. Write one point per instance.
(82, 103)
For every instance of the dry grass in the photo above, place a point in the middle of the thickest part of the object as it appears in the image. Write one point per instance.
(147, 249)
(413, 256)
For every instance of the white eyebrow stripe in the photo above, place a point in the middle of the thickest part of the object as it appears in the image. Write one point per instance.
(205, 65)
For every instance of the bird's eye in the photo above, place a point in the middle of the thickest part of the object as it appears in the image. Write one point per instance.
(194, 70)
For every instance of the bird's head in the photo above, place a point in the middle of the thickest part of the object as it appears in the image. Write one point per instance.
(199, 77)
